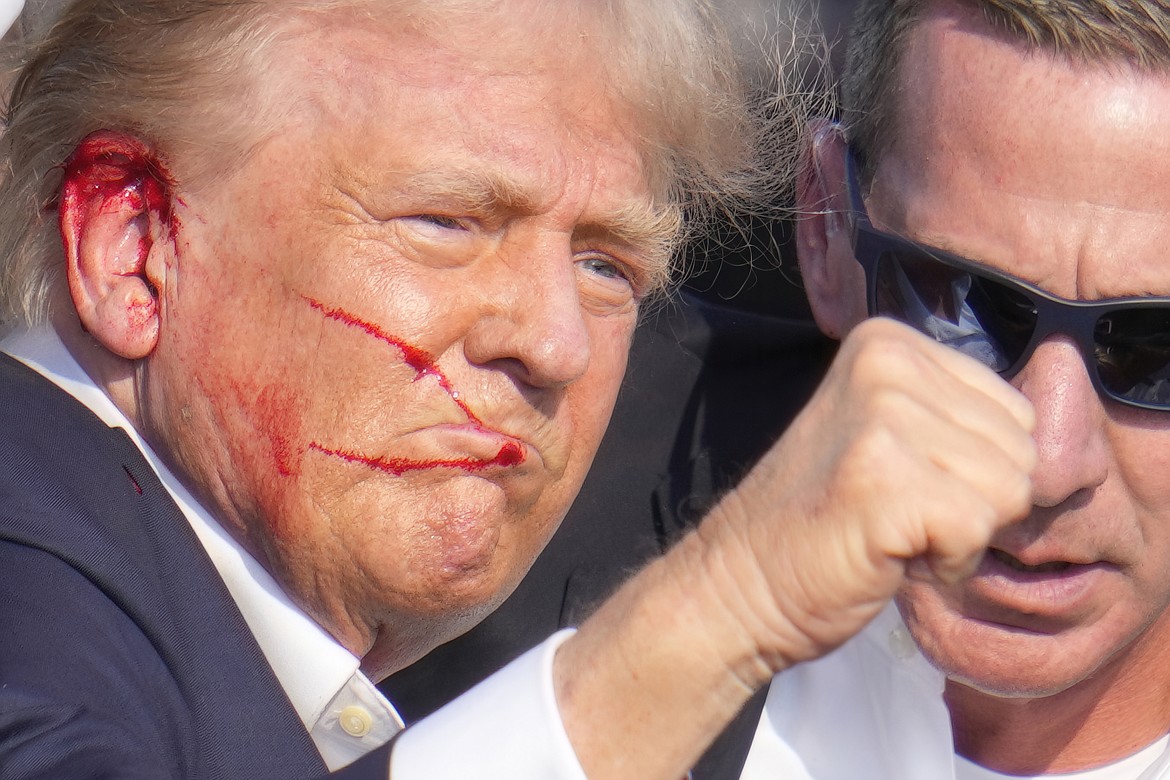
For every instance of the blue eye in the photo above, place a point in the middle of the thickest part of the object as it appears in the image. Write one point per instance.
(606, 284)
(449, 223)
(605, 268)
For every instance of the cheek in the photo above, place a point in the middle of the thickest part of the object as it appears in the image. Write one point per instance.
(275, 414)
(256, 413)
(593, 397)
(1143, 458)
(588, 407)
(246, 373)
(1141, 488)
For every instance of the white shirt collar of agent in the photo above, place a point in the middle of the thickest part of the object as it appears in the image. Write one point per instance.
(346, 716)
(874, 708)
(1143, 765)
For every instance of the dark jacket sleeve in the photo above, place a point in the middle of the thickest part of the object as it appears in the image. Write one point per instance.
(122, 653)
(85, 694)
(82, 693)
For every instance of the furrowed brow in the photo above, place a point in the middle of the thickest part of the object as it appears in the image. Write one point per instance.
(648, 232)
(645, 230)
(478, 191)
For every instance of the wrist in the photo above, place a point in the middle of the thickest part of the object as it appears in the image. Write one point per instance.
(662, 664)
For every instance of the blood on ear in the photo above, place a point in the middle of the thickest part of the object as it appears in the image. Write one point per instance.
(116, 200)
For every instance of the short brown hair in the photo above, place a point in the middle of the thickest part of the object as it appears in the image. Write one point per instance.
(1135, 32)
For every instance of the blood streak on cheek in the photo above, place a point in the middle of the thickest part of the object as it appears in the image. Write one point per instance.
(422, 363)
(510, 454)
(277, 416)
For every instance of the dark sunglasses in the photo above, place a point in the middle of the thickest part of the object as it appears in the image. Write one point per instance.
(1000, 320)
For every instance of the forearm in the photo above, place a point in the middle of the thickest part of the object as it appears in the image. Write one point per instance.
(654, 676)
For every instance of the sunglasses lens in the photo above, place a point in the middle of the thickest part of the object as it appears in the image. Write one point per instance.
(1133, 354)
(979, 317)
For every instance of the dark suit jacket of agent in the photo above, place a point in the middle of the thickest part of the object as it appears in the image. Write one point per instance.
(121, 652)
(709, 387)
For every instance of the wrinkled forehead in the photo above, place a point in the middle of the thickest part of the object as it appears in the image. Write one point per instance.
(562, 55)
(492, 67)
(507, 112)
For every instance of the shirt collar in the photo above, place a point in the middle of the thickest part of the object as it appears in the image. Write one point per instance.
(310, 665)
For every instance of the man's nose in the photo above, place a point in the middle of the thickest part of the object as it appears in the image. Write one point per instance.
(1070, 431)
(534, 326)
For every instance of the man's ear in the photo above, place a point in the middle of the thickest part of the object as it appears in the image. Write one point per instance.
(115, 220)
(833, 279)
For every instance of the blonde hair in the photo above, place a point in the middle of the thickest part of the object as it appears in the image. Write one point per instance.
(1134, 32)
(171, 71)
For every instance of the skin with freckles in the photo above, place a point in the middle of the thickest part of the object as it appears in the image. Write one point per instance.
(1057, 173)
(387, 350)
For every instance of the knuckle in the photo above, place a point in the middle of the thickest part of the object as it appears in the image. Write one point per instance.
(1016, 496)
(969, 531)
(873, 457)
(882, 349)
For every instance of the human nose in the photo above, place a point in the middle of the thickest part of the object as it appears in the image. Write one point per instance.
(534, 327)
(1070, 423)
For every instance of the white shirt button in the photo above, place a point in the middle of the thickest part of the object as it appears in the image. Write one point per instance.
(355, 721)
(902, 644)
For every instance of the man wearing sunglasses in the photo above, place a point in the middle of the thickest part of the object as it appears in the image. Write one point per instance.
(1001, 182)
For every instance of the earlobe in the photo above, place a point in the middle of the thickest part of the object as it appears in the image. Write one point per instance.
(833, 280)
(115, 223)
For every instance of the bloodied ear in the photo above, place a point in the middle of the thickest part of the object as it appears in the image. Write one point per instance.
(116, 225)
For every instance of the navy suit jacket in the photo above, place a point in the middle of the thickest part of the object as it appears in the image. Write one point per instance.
(122, 653)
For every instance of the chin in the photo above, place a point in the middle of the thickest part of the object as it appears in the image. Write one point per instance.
(1021, 683)
(412, 627)
(1001, 661)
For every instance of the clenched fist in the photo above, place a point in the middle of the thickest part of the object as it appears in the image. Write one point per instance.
(906, 462)
(909, 451)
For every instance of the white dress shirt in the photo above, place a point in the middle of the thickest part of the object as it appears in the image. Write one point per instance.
(1145, 760)
(9, 11)
(509, 727)
(873, 709)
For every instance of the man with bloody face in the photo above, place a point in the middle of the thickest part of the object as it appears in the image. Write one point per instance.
(369, 304)
(316, 312)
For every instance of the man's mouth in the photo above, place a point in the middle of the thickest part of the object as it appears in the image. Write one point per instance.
(1049, 567)
(1042, 593)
